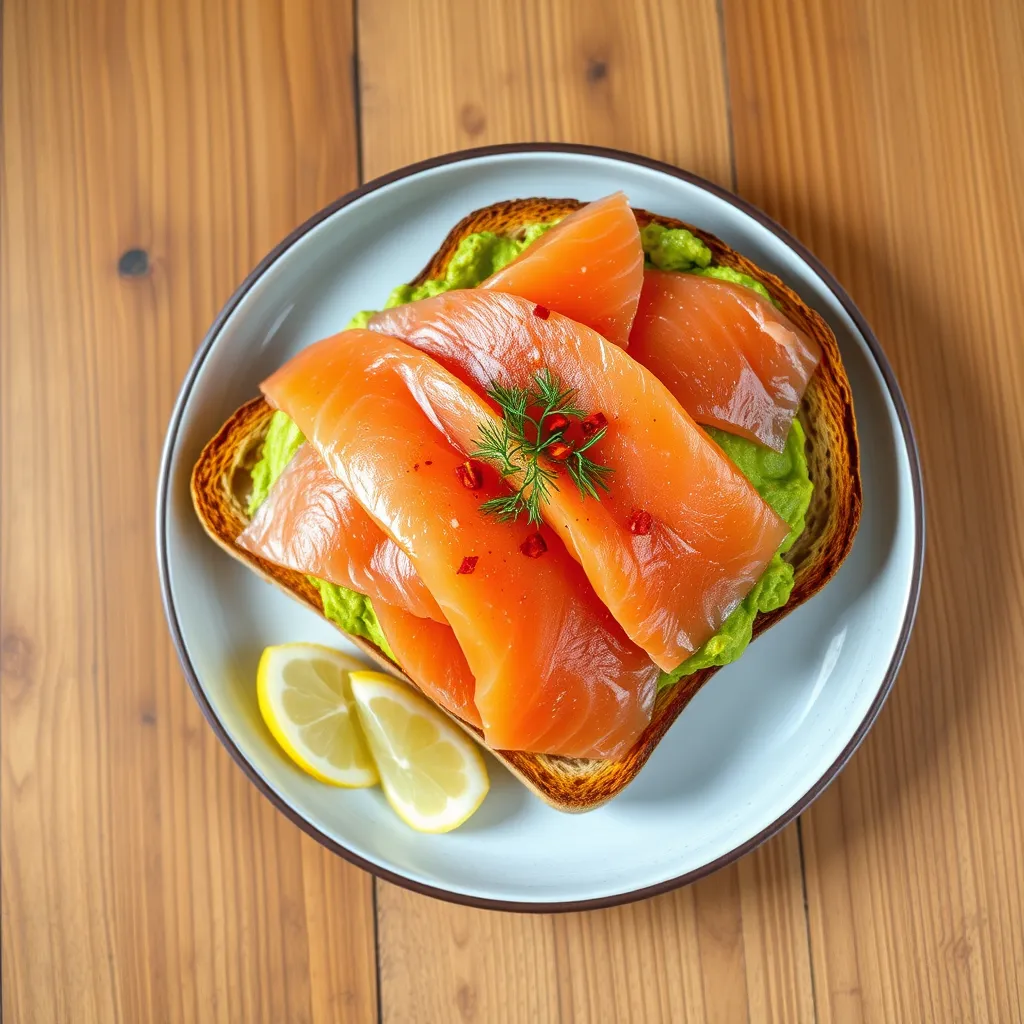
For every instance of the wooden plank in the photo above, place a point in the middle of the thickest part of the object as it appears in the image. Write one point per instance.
(735, 947)
(441, 962)
(143, 877)
(890, 137)
(438, 75)
(730, 948)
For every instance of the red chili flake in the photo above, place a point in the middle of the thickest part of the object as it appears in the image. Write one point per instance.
(559, 451)
(533, 546)
(471, 474)
(541, 311)
(468, 565)
(429, 463)
(415, 465)
(639, 522)
(593, 423)
(556, 422)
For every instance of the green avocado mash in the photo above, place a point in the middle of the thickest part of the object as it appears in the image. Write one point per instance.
(281, 443)
(477, 257)
(673, 248)
(679, 249)
(350, 610)
(780, 478)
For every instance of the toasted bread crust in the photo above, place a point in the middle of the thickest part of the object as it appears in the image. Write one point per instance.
(220, 481)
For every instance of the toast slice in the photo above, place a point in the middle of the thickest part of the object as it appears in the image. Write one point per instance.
(221, 483)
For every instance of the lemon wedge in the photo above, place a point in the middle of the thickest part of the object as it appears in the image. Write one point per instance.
(306, 700)
(432, 773)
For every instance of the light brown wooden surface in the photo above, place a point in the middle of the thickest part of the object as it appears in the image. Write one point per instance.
(901, 166)
(142, 877)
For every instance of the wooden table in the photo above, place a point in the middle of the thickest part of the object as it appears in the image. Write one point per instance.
(143, 876)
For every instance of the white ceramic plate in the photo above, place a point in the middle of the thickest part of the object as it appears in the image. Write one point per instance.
(755, 746)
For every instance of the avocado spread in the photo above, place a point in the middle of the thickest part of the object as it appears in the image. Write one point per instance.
(679, 249)
(350, 610)
(780, 478)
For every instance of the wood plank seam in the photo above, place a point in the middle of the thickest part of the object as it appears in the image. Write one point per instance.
(357, 103)
(724, 42)
(357, 112)
(807, 913)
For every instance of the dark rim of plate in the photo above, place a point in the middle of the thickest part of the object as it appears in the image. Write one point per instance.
(164, 485)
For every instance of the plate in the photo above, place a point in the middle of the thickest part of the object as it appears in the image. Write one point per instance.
(755, 746)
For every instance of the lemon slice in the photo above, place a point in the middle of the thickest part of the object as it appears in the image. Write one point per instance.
(306, 700)
(431, 772)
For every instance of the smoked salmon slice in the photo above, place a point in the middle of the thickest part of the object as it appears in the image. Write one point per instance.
(588, 267)
(311, 523)
(431, 657)
(682, 536)
(728, 355)
(554, 672)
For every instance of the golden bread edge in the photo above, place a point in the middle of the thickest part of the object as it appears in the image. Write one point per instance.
(220, 480)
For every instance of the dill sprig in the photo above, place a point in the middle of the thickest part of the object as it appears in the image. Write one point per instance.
(586, 474)
(528, 444)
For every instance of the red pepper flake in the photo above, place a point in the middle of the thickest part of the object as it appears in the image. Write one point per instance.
(639, 522)
(593, 423)
(429, 463)
(471, 474)
(556, 423)
(559, 451)
(415, 465)
(533, 546)
(541, 311)
(468, 565)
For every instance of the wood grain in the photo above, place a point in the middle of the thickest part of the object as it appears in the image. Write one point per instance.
(438, 75)
(144, 879)
(732, 948)
(890, 137)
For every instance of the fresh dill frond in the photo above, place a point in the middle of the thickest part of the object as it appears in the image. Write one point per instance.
(537, 485)
(513, 403)
(505, 508)
(553, 398)
(495, 445)
(587, 474)
(527, 445)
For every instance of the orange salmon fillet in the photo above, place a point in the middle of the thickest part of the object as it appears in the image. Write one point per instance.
(683, 536)
(554, 672)
(310, 522)
(588, 267)
(728, 355)
(430, 655)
